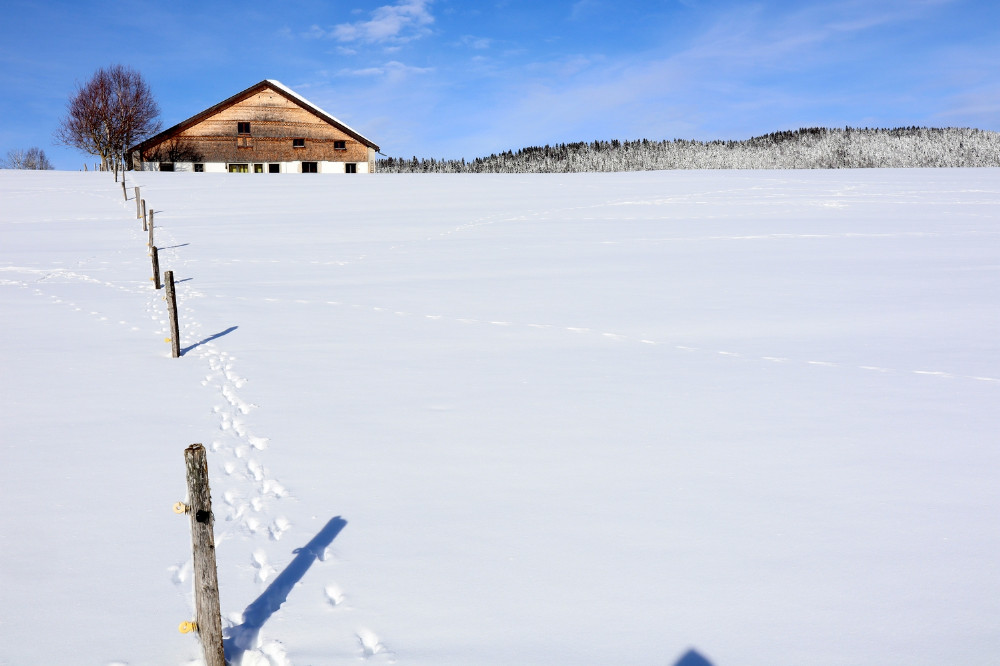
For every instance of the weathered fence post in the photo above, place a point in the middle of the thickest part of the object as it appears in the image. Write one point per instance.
(138, 210)
(144, 215)
(156, 267)
(124, 193)
(175, 335)
(150, 227)
(208, 620)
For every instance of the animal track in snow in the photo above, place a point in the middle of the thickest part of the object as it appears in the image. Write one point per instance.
(242, 406)
(248, 492)
(264, 570)
(255, 470)
(56, 300)
(272, 651)
(273, 488)
(611, 335)
(334, 595)
(278, 527)
(179, 573)
(252, 524)
(370, 643)
(239, 428)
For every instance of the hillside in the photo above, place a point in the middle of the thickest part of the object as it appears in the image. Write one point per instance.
(573, 419)
(814, 148)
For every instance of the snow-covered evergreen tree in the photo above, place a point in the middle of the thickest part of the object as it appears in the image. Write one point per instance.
(808, 148)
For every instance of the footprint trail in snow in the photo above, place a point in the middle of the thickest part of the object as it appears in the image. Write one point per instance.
(247, 498)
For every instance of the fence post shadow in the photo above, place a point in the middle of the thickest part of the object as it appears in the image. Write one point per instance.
(243, 637)
(692, 658)
(218, 335)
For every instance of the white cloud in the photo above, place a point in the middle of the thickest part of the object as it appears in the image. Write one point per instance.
(401, 22)
(751, 71)
(314, 32)
(366, 71)
(478, 43)
(392, 70)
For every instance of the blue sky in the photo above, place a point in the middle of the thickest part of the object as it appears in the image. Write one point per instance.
(451, 78)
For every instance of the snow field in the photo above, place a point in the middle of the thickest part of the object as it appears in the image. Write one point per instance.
(593, 418)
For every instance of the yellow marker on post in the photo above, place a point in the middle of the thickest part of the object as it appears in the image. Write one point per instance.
(181, 507)
(187, 627)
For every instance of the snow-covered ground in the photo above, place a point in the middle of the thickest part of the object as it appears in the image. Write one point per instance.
(581, 419)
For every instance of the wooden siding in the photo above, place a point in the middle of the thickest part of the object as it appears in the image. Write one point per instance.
(274, 121)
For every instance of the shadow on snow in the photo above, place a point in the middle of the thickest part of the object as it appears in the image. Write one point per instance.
(692, 658)
(209, 339)
(243, 637)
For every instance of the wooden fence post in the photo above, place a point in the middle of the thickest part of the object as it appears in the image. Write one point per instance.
(175, 335)
(150, 228)
(144, 215)
(156, 267)
(138, 210)
(124, 193)
(208, 620)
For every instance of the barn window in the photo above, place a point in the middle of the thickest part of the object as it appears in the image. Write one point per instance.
(239, 168)
(243, 128)
(310, 167)
(199, 168)
(274, 168)
(340, 145)
(298, 143)
(166, 166)
(351, 167)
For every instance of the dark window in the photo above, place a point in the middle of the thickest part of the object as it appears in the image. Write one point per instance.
(243, 128)
(351, 167)
(298, 143)
(258, 168)
(340, 145)
(199, 168)
(310, 167)
(274, 168)
(166, 166)
(238, 168)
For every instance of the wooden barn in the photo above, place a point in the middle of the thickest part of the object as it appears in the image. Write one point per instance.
(267, 128)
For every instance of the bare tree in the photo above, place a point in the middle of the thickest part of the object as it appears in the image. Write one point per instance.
(109, 113)
(175, 150)
(33, 158)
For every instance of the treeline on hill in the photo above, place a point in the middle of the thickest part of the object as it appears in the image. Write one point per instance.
(812, 148)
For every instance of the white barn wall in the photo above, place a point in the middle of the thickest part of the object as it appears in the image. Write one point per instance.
(285, 167)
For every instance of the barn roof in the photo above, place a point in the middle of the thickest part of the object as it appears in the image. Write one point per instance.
(274, 85)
